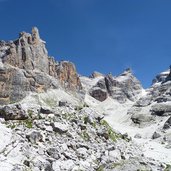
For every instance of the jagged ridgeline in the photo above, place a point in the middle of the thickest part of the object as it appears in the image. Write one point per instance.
(51, 119)
(25, 66)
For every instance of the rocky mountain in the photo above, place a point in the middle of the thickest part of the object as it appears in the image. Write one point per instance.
(52, 119)
(120, 88)
(26, 67)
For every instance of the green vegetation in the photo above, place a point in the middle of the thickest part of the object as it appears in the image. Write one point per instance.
(85, 105)
(168, 167)
(30, 113)
(86, 119)
(68, 116)
(78, 108)
(11, 125)
(115, 165)
(112, 135)
(100, 168)
(50, 102)
(27, 123)
(85, 136)
(94, 124)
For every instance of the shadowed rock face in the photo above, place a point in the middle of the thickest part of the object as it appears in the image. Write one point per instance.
(25, 66)
(122, 88)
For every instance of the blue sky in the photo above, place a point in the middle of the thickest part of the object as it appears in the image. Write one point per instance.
(102, 35)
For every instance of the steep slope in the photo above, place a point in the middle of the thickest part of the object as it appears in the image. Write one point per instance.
(51, 119)
(25, 66)
(121, 88)
(146, 118)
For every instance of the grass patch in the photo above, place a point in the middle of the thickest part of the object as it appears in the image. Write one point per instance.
(112, 135)
(85, 136)
(100, 168)
(50, 102)
(168, 167)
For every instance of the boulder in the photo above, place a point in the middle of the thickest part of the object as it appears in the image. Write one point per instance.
(156, 135)
(138, 136)
(59, 127)
(44, 110)
(35, 137)
(142, 118)
(167, 124)
(161, 109)
(62, 103)
(53, 152)
(13, 112)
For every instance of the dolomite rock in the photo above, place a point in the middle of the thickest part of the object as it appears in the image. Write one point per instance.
(96, 74)
(27, 52)
(167, 124)
(34, 137)
(13, 112)
(122, 88)
(26, 67)
(98, 94)
(59, 127)
(66, 73)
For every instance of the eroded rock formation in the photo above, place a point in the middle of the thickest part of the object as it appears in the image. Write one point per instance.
(25, 66)
(121, 88)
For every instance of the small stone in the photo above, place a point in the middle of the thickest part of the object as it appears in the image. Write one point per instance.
(137, 136)
(45, 111)
(35, 137)
(62, 103)
(156, 135)
(49, 128)
(59, 127)
(53, 152)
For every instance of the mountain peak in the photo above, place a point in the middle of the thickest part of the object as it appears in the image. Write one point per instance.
(26, 67)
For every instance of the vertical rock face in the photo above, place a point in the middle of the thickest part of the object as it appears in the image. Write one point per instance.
(25, 66)
(66, 73)
(122, 88)
(28, 52)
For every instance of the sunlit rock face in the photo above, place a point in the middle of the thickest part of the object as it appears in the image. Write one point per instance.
(121, 88)
(25, 66)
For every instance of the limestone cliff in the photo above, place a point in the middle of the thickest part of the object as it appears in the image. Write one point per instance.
(25, 66)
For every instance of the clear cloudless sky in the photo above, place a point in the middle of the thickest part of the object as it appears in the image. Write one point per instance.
(102, 35)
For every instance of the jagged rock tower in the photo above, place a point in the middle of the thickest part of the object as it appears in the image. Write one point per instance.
(25, 66)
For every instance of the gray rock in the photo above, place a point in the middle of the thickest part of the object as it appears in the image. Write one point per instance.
(62, 103)
(25, 66)
(156, 135)
(122, 88)
(161, 109)
(59, 127)
(35, 137)
(138, 136)
(167, 124)
(144, 101)
(13, 112)
(45, 110)
(98, 93)
(53, 152)
(142, 118)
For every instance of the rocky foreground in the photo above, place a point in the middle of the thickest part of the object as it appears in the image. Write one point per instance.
(52, 119)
